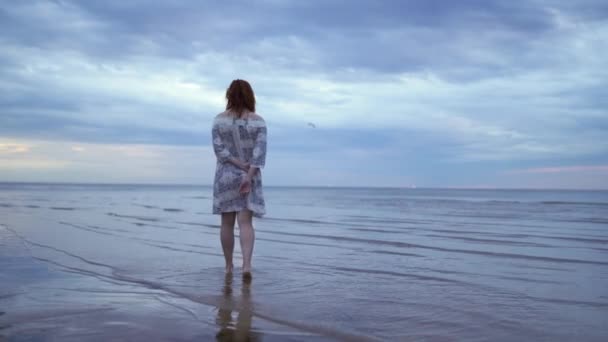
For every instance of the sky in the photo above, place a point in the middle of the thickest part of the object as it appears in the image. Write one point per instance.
(463, 94)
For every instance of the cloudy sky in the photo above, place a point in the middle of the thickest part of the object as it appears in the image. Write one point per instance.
(471, 93)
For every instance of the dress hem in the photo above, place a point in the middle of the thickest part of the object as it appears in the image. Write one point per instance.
(255, 213)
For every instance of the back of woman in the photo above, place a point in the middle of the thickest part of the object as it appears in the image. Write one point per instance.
(239, 142)
(245, 139)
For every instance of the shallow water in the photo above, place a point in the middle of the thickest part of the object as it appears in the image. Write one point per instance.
(100, 262)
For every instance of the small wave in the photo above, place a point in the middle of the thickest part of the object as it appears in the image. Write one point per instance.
(479, 215)
(445, 249)
(370, 219)
(297, 220)
(300, 243)
(92, 229)
(490, 241)
(503, 202)
(147, 206)
(141, 218)
(200, 224)
(569, 302)
(6, 205)
(594, 220)
(102, 230)
(87, 229)
(595, 239)
(154, 225)
(577, 239)
(173, 210)
(604, 204)
(141, 224)
(177, 249)
(63, 208)
(529, 280)
(378, 251)
(378, 230)
(111, 229)
(87, 261)
(547, 268)
(328, 223)
(397, 274)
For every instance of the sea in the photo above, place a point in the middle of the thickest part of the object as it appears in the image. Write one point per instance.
(101, 262)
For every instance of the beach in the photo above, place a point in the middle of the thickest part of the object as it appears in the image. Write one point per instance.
(144, 262)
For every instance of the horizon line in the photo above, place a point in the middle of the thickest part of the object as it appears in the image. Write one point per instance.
(306, 186)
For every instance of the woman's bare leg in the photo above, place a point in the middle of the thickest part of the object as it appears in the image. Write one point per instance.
(247, 237)
(227, 237)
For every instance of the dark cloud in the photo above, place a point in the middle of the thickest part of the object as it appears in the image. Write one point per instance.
(40, 126)
(381, 36)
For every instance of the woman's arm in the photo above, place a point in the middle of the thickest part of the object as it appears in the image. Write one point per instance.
(222, 153)
(240, 164)
(258, 159)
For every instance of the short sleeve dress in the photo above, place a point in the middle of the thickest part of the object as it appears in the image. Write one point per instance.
(243, 139)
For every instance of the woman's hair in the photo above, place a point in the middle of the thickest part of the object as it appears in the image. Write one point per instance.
(240, 97)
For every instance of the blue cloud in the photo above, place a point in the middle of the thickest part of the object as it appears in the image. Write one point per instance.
(383, 36)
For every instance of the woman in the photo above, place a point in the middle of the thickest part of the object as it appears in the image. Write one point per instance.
(239, 142)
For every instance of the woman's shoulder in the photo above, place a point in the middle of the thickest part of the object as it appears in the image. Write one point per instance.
(227, 118)
(255, 116)
(222, 118)
(224, 114)
(256, 120)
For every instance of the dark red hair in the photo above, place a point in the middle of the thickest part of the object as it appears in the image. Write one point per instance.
(240, 97)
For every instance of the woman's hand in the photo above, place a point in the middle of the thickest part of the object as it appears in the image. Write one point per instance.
(245, 187)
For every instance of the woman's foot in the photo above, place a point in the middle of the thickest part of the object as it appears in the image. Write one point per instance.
(247, 276)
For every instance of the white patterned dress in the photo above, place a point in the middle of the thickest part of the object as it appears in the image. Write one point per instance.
(243, 139)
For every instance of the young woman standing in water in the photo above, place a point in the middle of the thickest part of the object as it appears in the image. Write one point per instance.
(239, 142)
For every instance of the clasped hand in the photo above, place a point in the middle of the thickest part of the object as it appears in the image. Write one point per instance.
(245, 186)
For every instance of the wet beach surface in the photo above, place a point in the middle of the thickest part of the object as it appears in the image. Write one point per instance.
(101, 263)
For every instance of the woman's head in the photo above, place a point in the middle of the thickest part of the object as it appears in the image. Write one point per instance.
(240, 97)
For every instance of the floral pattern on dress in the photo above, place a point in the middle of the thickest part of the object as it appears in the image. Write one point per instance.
(243, 139)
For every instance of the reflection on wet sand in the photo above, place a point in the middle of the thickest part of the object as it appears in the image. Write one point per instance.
(241, 330)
